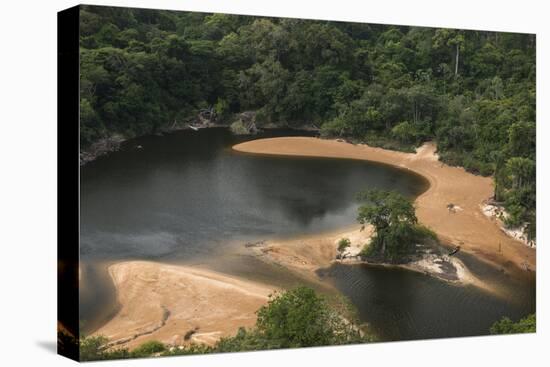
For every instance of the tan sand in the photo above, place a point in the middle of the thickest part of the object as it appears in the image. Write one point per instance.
(306, 254)
(467, 227)
(164, 302)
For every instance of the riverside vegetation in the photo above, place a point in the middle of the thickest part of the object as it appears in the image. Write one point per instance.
(396, 234)
(396, 228)
(473, 92)
(295, 318)
(300, 317)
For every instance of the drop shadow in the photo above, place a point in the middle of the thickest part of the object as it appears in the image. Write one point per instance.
(47, 345)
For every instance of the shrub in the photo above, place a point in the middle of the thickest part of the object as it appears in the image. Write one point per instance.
(343, 244)
(92, 348)
(334, 128)
(222, 110)
(405, 132)
(238, 128)
(147, 349)
(506, 326)
(396, 228)
(301, 318)
(295, 318)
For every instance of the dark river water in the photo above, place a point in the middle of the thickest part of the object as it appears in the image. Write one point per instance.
(188, 198)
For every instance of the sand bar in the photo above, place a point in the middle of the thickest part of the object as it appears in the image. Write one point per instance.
(179, 305)
(308, 253)
(165, 302)
(467, 227)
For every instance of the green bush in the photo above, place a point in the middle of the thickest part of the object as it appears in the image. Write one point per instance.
(405, 132)
(515, 215)
(386, 142)
(187, 350)
(142, 70)
(295, 318)
(301, 318)
(238, 128)
(334, 128)
(92, 348)
(148, 349)
(222, 110)
(506, 326)
(343, 244)
(396, 228)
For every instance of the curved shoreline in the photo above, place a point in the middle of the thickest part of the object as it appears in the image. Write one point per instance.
(179, 304)
(467, 227)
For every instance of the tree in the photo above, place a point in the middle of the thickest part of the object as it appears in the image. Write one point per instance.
(497, 158)
(384, 209)
(521, 171)
(472, 92)
(301, 318)
(506, 326)
(264, 86)
(92, 348)
(357, 118)
(396, 229)
(148, 349)
(343, 244)
(404, 132)
(294, 318)
(522, 139)
(450, 37)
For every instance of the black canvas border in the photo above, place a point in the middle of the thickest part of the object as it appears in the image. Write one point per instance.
(68, 177)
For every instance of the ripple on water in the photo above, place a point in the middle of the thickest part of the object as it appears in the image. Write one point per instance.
(402, 305)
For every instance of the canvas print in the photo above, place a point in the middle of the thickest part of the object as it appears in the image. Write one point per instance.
(240, 183)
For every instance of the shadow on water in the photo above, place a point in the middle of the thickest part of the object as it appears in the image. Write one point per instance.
(399, 304)
(187, 198)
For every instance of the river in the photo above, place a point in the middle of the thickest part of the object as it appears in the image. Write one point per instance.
(187, 198)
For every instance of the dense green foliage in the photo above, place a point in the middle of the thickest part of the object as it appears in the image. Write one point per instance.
(295, 318)
(302, 318)
(91, 349)
(148, 348)
(395, 86)
(396, 228)
(506, 326)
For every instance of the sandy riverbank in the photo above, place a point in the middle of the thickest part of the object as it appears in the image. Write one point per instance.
(165, 302)
(181, 304)
(306, 255)
(467, 227)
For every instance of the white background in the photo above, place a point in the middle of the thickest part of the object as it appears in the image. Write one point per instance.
(28, 181)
